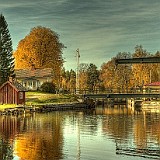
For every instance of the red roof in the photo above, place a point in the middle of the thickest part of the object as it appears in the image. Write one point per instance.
(153, 84)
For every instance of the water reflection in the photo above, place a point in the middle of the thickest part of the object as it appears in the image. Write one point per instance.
(135, 133)
(33, 138)
(114, 133)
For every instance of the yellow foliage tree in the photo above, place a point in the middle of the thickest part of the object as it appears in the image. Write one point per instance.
(83, 76)
(107, 74)
(141, 72)
(41, 48)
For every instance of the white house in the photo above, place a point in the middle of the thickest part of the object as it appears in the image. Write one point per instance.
(33, 78)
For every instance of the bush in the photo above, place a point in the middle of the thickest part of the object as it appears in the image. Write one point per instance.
(48, 87)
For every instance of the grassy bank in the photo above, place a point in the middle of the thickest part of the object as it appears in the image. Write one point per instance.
(37, 98)
(5, 106)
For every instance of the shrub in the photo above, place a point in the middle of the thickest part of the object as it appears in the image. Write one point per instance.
(48, 87)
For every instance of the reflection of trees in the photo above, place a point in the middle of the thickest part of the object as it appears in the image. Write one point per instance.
(140, 134)
(136, 135)
(6, 151)
(39, 137)
(85, 120)
(37, 146)
(155, 131)
(43, 139)
(144, 140)
(89, 123)
(118, 123)
(146, 130)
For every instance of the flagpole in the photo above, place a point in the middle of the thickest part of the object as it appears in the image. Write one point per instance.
(77, 71)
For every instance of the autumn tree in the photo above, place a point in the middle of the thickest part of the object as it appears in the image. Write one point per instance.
(123, 73)
(68, 80)
(63, 78)
(141, 72)
(6, 54)
(155, 70)
(116, 77)
(128, 76)
(92, 77)
(83, 76)
(41, 48)
(72, 80)
(107, 74)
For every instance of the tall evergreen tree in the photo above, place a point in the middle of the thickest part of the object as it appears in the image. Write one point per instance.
(6, 52)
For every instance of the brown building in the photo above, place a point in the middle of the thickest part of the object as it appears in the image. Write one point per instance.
(33, 78)
(12, 93)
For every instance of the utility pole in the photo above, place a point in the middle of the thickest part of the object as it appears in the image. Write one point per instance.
(150, 76)
(77, 71)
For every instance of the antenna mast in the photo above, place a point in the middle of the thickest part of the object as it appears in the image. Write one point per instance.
(77, 71)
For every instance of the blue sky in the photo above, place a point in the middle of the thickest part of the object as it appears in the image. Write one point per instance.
(99, 28)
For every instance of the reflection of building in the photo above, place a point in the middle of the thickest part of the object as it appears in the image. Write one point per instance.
(33, 78)
(9, 127)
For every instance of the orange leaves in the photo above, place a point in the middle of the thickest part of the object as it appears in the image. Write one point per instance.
(42, 48)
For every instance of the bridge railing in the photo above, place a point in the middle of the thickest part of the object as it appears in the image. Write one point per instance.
(115, 90)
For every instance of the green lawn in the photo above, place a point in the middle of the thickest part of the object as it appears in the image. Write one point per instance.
(48, 98)
(5, 106)
(39, 98)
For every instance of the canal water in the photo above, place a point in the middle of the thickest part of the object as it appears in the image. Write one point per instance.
(100, 134)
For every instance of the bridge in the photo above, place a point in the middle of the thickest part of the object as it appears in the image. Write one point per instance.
(122, 95)
(128, 95)
(138, 60)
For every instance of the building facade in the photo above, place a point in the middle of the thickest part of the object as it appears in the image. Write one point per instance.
(12, 93)
(33, 78)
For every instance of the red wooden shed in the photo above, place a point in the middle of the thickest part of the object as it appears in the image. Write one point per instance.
(12, 93)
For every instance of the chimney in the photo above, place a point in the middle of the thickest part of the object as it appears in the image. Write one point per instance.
(11, 79)
(33, 67)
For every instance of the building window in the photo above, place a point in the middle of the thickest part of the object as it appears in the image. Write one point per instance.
(20, 95)
(34, 84)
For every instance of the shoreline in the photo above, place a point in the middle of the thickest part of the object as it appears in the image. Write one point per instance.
(45, 108)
